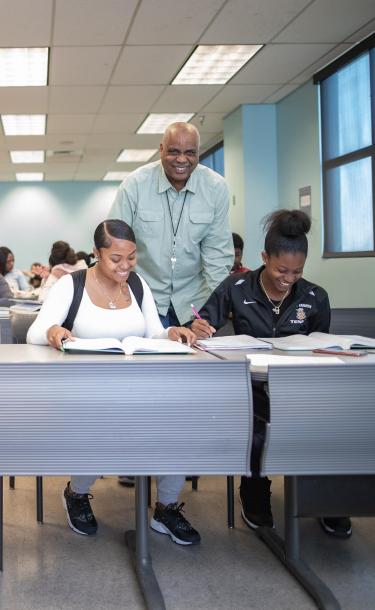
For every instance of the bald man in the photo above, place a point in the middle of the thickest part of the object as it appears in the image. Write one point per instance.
(178, 210)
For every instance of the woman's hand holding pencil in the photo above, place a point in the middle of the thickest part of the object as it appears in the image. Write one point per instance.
(201, 328)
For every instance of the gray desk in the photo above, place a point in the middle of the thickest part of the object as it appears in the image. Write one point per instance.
(321, 438)
(5, 331)
(142, 414)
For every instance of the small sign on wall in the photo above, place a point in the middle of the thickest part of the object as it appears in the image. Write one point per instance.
(305, 199)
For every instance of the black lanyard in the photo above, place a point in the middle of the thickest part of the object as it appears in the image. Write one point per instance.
(174, 230)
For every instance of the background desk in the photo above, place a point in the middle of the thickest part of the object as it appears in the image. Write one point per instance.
(108, 414)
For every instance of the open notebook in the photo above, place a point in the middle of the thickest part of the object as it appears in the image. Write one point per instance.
(234, 342)
(128, 346)
(322, 341)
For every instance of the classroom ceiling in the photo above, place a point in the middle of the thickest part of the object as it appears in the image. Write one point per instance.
(112, 61)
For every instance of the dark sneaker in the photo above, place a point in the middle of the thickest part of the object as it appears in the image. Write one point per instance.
(126, 481)
(170, 520)
(340, 527)
(255, 500)
(78, 511)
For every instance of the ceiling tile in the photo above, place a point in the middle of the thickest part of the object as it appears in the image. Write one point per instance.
(53, 176)
(362, 33)
(70, 123)
(89, 175)
(209, 122)
(130, 99)
(185, 98)
(92, 22)
(235, 95)
(117, 123)
(75, 100)
(123, 141)
(279, 63)
(150, 65)
(7, 177)
(280, 94)
(82, 65)
(47, 142)
(245, 22)
(25, 24)
(61, 167)
(331, 21)
(171, 22)
(23, 100)
(323, 61)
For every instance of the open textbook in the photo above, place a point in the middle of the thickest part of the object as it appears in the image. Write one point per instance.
(234, 342)
(128, 346)
(322, 341)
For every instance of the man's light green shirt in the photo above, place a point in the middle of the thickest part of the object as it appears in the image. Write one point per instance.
(203, 241)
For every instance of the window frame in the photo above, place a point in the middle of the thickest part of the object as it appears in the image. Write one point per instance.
(367, 45)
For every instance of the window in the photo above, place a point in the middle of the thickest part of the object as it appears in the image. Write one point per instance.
(347, 98)
(214, 159)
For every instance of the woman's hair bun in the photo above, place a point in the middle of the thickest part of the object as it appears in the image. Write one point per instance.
(289, 223)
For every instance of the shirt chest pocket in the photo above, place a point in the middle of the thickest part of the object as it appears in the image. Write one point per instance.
(149, 222)
(200, 223)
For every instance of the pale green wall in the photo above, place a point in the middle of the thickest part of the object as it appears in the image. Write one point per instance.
(270, 152)
(34, 215)
(350, 282)
(250, 160)
(234, 169)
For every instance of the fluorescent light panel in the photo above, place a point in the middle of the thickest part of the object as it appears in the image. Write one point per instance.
(24, 67)
(27, 156)
(24, 124)
(133, 155)
(215, 64)
(116, 176)
(29, 176)
(157, 123)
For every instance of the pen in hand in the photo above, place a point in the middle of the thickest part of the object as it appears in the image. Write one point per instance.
(195, 312)
(205, 324)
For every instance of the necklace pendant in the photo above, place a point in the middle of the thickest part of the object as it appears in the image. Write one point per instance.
(276, 309)
(112, 305)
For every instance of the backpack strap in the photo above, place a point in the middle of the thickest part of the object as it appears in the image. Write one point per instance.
(79, 279)
(136, 285)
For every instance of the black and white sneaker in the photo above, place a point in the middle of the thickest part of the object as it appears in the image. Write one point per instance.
(170, 520)
(126, 480)
(255, 500)
(340, 527)
(78, 511)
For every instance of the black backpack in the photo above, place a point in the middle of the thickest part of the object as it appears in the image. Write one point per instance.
(79, 279)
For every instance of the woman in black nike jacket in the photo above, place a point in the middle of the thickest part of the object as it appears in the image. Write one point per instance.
(272, 301)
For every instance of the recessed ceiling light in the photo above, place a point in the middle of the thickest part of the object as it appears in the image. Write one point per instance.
(29, 176)
(157, 123)
(116, 176)
(25, 67)
(136, 155)
(215, 64)
(24, 124)
(27, 156)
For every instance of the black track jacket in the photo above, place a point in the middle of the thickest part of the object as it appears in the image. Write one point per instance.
(252, 312)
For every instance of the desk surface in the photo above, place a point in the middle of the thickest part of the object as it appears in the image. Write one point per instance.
(260, 373)
(109, 413)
